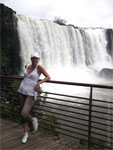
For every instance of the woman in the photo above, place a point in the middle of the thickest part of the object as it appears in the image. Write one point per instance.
(28, 92)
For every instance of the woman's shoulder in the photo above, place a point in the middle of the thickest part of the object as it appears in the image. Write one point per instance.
(40, 67)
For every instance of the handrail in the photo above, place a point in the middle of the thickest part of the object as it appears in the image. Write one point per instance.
(65, 82)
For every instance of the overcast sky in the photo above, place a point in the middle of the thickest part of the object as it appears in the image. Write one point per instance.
(81, 13)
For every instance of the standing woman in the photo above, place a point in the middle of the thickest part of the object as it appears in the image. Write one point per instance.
(28, 92)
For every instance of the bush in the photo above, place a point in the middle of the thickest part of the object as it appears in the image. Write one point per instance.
(60, 21)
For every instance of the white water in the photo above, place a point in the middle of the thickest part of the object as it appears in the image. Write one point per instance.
(67, 53)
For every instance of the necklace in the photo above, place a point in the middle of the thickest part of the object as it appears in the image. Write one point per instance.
(32, 67)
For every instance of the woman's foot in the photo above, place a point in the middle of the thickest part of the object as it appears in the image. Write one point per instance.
(35, 124)
(25, 137)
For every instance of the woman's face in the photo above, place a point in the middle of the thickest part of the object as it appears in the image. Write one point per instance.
(35, 60)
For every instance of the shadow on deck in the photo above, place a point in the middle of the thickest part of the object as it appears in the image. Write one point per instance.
(11, 134)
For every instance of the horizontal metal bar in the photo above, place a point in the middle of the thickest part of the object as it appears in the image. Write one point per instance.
(65, 105)
(102, 101)
(64, 115)
(65, 95)
(110, 131)
(101, 134)
(106, 113)
(103, 107)
(102, 118)
(85, 98)
(64, 110)
(81, 84)
(67, 120)
(63, 100)
(64, 82)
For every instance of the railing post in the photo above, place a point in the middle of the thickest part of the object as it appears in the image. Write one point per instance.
(90, 119)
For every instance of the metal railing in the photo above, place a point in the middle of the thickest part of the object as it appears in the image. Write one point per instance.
(87, 118)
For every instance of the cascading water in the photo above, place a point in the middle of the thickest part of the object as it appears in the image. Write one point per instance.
(68, 53)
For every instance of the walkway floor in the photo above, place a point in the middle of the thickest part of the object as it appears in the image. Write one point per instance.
(11, 134)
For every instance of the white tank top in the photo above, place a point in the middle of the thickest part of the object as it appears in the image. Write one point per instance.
(27, 86)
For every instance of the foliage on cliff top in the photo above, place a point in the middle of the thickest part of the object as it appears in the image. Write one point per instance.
(60, 21)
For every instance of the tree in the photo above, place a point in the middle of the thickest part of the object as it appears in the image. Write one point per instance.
(60, 21)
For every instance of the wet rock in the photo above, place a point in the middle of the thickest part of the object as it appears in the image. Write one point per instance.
(106, 73)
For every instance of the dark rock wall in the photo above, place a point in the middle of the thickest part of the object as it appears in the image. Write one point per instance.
(10, 48)
(109, 33)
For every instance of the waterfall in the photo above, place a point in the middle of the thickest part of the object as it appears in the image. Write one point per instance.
(68, 53)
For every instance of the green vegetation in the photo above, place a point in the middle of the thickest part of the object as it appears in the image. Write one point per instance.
(49, 125)
(10, 109)
(60, 21)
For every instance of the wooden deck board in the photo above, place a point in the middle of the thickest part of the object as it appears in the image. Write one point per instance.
(11, 135)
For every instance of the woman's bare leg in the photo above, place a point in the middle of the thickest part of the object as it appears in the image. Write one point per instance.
(25, 127)
(26, 110)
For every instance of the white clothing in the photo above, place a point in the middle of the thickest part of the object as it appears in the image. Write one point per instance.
(27, 86)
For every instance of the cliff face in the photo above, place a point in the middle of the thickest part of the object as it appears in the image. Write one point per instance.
(10, 48)
(109, 33)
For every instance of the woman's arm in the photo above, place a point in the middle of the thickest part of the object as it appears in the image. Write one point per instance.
(44, 72)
